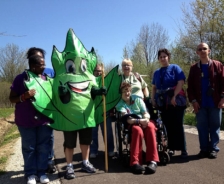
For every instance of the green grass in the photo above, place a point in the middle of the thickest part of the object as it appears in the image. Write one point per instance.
(5, 112)
(3, 160)
(10, 135)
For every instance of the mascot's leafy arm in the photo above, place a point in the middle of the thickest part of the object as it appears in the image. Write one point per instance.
(112, 81)
(66, 98)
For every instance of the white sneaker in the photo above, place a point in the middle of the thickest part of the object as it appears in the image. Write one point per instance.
(92, 155)
(44, 179)
(31, 179)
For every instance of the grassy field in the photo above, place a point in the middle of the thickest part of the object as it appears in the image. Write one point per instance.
(5, 112)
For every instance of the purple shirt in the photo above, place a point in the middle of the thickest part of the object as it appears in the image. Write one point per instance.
(25, 113)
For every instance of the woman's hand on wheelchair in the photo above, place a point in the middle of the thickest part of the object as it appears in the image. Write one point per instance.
(144, 122)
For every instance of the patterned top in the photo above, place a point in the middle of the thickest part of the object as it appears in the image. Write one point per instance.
(136, 85)
(137, 106)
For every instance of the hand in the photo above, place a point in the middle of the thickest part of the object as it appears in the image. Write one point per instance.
(143, 122)
(221, 103)
(153, 102)
(103, 90)
(196, 107)
(29, 94)
(173, 101)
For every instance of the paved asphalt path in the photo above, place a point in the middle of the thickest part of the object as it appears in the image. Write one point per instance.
(190, 171)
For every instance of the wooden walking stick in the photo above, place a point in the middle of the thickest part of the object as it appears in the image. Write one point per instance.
(104, 122)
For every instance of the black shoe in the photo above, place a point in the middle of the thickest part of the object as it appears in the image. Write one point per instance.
(51, 169)
(151, 168)
(70, 174)
(213, 155)
(184, 154)
(137, 169)
(203, 154)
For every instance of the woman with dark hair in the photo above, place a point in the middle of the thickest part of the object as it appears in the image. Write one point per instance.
(169, 97)
(35, 134)
(50, 72)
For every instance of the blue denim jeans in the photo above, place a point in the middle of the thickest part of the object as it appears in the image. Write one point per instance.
(35, 149)
(208, 125)
(51, 153)
(110, 138)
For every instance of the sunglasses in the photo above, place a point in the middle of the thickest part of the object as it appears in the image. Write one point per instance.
(200, 49)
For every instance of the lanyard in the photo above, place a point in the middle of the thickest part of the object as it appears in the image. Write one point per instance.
(162, 76)
(202, 74)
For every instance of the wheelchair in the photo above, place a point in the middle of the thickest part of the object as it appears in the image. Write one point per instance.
(123, 139)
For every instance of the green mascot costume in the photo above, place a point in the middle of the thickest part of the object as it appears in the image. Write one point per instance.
(72, 99)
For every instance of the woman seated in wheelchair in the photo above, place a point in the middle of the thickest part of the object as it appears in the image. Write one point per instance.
(140, 127)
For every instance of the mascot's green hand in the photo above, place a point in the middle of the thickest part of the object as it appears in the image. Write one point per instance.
(98, 91)
(103, 90)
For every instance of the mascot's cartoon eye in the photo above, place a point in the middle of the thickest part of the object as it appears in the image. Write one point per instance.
(70, 66)
(83, 65)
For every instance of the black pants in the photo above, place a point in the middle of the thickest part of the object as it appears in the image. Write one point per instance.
(173, 118)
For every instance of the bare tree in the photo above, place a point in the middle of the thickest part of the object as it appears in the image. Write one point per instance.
(12, 62)
(203, 21)
(152, 38)
(126, 52)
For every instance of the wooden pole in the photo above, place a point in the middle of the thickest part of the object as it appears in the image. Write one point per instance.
(104, 123)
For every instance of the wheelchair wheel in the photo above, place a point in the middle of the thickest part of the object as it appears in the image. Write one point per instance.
(126, 158)
(164, 158)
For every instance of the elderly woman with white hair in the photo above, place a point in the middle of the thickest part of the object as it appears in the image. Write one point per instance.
(138, 85)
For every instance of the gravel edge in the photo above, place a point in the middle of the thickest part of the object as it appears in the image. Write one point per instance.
(14, 168)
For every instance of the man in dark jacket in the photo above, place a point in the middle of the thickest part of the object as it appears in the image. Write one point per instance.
(206, 93)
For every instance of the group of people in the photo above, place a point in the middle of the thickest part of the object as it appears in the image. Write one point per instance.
(205, 91)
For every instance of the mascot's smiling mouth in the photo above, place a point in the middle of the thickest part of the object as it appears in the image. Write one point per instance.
(78, 87)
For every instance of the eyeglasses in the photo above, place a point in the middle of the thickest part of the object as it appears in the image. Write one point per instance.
(98, 71)
(126, 65)
(200, 49)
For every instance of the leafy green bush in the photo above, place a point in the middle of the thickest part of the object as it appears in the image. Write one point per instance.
(189, 119)
(4, 94)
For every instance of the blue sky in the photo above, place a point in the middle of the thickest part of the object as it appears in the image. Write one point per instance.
(105, 25)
